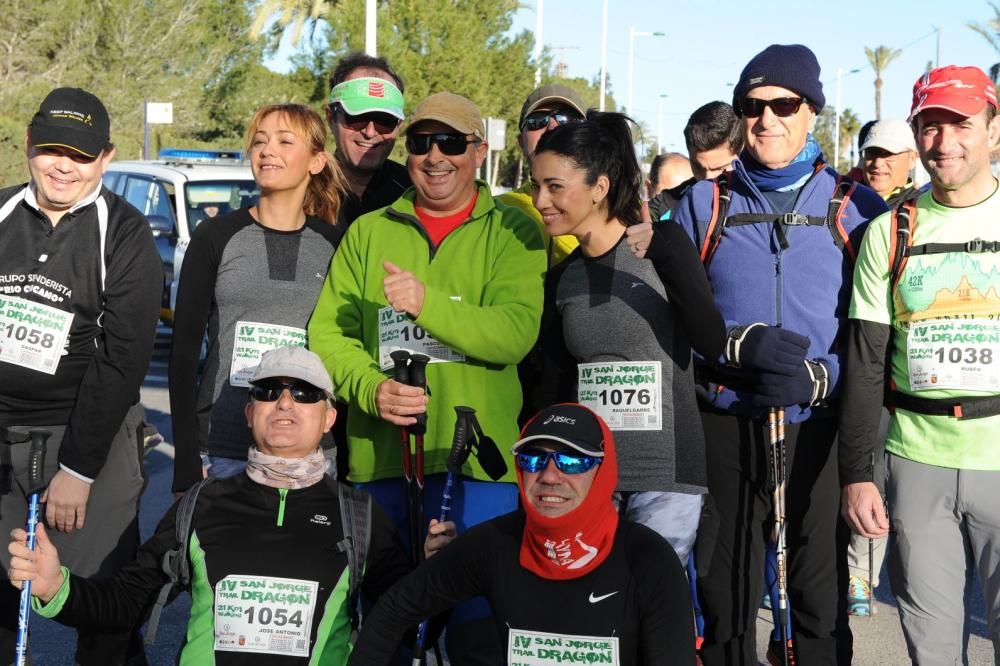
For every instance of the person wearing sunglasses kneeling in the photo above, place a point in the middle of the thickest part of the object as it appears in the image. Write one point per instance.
(267, 550)
(569, 581)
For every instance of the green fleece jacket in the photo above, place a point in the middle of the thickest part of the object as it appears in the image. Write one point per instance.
(483, 299)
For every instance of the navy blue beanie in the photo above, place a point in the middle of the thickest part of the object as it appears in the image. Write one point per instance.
(791, 66)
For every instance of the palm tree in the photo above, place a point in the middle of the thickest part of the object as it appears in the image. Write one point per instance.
(991, 33)
(849, 126)
(879, 59)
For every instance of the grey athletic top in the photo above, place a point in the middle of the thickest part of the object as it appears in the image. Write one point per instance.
(615, 308)
(235, 270)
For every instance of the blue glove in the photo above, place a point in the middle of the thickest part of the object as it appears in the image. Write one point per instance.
(767, 348)
(808, 386)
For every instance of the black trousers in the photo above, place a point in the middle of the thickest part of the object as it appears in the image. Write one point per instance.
(731, 585)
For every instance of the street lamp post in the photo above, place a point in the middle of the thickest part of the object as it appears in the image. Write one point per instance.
(632, 34)
(539, 5)
(604, 55)
(659, 123)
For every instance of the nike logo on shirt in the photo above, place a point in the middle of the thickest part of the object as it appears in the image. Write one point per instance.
(594, 599)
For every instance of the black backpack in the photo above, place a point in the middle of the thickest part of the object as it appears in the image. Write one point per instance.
(355, 516)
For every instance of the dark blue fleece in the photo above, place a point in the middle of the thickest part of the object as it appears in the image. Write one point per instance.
(805, 288)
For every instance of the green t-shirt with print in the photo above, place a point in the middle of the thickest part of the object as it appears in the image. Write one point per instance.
(945, 315)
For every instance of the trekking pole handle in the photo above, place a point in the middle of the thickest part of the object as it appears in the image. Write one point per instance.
(400, 366)
(418, 378)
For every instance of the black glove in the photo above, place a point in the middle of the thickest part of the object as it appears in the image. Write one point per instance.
(809, 385)
(767, 348)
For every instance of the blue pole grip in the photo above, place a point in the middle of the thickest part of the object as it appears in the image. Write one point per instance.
(24, 609)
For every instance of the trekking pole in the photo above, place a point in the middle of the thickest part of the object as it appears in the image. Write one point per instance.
(871, 556)
(418, 378)
(460, 446)
(776, 430)
(36, 483)
(401, 373)
(699, 616)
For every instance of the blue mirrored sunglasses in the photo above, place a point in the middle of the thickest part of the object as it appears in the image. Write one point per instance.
(567, 463)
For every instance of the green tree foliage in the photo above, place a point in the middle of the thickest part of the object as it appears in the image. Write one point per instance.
(879, 58)
(460, 46)
(824, 133)
(178, 51)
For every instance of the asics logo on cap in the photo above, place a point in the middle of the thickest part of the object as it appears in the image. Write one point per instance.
(559, 419)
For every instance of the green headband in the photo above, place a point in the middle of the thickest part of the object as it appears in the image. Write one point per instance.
(367, 95)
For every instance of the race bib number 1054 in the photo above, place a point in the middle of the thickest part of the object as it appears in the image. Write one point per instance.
(264, 615)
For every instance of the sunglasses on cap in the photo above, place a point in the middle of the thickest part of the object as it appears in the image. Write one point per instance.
(540, 119)
(567, 463)
(783, 107)
(448, 144)
(385, 123)
(270, 390)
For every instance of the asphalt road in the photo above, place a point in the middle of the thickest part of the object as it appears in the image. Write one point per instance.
(878, 640)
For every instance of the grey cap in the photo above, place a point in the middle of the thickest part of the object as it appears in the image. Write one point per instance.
(549, 94)
(294, 363)
(893, 135)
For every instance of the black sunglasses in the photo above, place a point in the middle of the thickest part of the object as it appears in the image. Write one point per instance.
(448, 144)
(540, 119)
(783, 107)
(567, 463)
(385, 123)
(270, 390)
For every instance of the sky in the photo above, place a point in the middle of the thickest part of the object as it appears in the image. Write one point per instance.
(706, 43)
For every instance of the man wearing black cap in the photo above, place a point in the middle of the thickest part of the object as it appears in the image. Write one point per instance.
(546, 107)
(568, 580)
(780, 267)
(80, 283)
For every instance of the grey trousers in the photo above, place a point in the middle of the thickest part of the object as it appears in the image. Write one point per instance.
(109, 538)
(945, 526)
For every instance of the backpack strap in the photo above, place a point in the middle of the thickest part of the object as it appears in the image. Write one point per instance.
(835, 211)
(900, 240)
(356, 518)
(175, 562)
(721, 196)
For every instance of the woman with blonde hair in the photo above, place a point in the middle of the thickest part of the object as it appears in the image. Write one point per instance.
(251, 279)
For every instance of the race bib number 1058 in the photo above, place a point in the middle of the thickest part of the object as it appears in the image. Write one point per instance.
(32, 335)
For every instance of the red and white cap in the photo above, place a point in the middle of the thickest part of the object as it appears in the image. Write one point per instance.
(963, 90)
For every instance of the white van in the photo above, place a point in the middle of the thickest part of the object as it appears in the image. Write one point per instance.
(178, 191)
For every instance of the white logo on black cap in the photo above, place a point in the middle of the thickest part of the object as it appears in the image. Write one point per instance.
(559, 419)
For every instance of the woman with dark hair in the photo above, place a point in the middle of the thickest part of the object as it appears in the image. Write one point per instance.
(617, 331)
(251, 279)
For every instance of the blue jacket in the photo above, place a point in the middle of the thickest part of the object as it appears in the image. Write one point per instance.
(805, 288)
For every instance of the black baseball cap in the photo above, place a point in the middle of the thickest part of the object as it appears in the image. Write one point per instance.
(71, 118)
(568, 424)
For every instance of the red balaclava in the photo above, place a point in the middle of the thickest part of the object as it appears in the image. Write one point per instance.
(573, 544)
